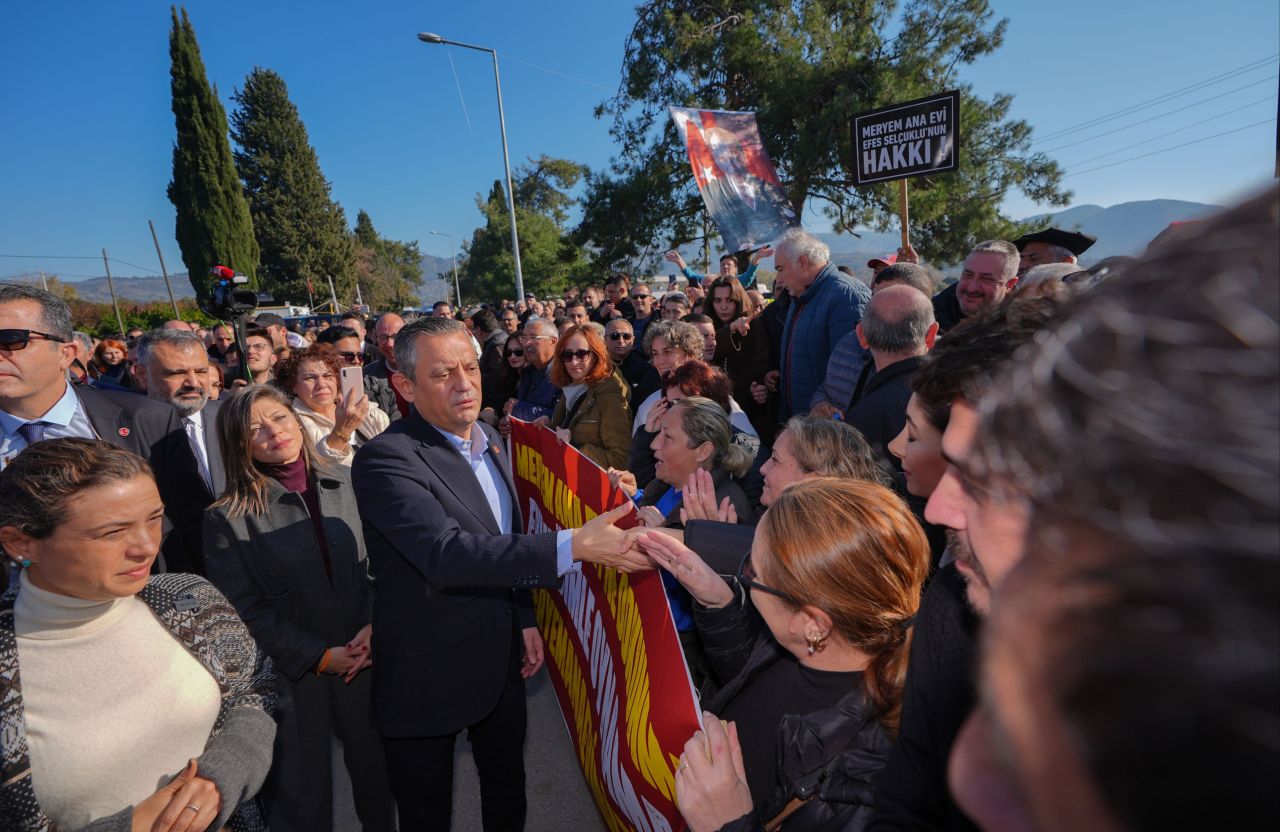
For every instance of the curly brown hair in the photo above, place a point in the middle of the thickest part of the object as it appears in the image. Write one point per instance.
(287, 370)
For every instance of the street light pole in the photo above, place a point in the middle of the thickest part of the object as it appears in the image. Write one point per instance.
(457, 292)
(430, 37)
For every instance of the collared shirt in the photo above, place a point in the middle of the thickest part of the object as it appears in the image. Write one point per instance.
(66, 418)
(194, 426)
(495, 490)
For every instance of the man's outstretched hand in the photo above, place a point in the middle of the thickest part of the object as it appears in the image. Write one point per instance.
(600, 541)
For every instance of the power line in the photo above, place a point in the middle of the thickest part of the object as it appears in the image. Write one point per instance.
(1268, 99)
(1160, 99)
(1167, 149)
(1217, 97)
(133, 265)
(506, 57)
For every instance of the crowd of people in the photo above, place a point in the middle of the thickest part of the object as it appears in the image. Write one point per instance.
(1002, 556)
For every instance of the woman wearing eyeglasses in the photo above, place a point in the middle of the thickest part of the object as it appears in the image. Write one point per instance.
(336, 424)
(813, 683)
(592, 414)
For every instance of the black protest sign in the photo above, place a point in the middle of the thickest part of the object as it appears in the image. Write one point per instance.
(908, 139)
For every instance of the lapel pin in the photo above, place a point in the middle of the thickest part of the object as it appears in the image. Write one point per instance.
(123, 431)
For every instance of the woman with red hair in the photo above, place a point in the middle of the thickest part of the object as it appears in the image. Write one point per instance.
(593, 414)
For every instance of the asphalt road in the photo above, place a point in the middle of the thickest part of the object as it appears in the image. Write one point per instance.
(558, 797)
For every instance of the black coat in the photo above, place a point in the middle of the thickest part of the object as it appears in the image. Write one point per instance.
(879, 405)
(830, 758)
(446, 605)
(185, 545)
(494, 370)
(272, 570)
(946, 308)
(938, 697)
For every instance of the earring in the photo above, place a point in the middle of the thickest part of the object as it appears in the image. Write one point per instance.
(25, 563)
(815, 641)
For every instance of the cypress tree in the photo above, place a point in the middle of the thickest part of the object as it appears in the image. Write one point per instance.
(213, 225)
(301, 230)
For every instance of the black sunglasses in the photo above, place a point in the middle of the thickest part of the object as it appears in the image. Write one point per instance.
(641, 297)
(746, 576)
(352, 357)
(516, 353)
(568, 355)
(13, 340)
(621, 336)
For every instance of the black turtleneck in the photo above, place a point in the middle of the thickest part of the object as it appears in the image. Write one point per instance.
(295, 477)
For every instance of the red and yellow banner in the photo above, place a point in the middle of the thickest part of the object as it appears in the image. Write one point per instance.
(612, 648)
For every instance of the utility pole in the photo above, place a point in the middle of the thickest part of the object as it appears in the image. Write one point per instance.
(333, 295)
(112, 289)
(44, 281)
(164, 271)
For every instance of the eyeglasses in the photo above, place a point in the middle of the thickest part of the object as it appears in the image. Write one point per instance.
(746, 576)
(642, 297)
(574, 355)
(12, 340)
(621, 336)
(540, 337)
(516, 353)
(352, 357)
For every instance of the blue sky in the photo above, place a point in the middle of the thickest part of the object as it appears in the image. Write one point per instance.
(88, 132)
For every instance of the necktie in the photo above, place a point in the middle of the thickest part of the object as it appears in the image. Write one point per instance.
(32, 432)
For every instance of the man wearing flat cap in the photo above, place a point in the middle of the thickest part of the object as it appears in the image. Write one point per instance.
(1051, 245)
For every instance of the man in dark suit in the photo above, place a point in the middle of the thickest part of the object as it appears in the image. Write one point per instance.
(453, 629)
(173, 367)
(37, 402)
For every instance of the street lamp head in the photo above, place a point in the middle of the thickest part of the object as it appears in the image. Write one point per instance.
(430, 37)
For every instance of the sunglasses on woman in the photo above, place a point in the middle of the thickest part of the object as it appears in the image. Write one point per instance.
(746, 576)
(570, 355)
(13, 340)
(516, 353)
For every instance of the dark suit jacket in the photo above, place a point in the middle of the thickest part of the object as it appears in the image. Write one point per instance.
(879, 405)
(271, 568)
(184, 550)
(446, 607)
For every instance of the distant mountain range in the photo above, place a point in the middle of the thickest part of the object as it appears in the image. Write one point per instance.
(1126, 229)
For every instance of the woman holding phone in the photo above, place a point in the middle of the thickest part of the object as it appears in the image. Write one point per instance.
(336, 421)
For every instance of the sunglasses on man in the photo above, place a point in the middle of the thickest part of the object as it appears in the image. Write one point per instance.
(12, 340)
(352, 357)
(621, 336)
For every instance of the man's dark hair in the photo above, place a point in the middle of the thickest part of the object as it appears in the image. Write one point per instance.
(961, 365)
(253, 331)
(697, 318)
(575, 302)
(55, 313)
(484, 321)
(618, 279)
(334, 334)
(908, 274)
(406, 347)
(1152, 404)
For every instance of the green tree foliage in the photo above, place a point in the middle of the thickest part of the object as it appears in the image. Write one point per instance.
(806, 68)
(549, 257)
(301, 230)
(389, 271)
(213, 225)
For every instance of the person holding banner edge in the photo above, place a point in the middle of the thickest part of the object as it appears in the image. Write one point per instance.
(454, 633)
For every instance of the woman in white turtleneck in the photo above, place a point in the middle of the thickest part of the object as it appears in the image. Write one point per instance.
(127, 701)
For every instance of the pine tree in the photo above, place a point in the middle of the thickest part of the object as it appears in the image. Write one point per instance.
(213, 226)
(389, 271)
(301, 230)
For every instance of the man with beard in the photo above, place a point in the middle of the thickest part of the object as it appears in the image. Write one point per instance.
(987, 538)
(173, 367)
(990, 273)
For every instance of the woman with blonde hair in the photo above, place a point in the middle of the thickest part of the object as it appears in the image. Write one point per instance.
(284, 542)
(813, 697)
